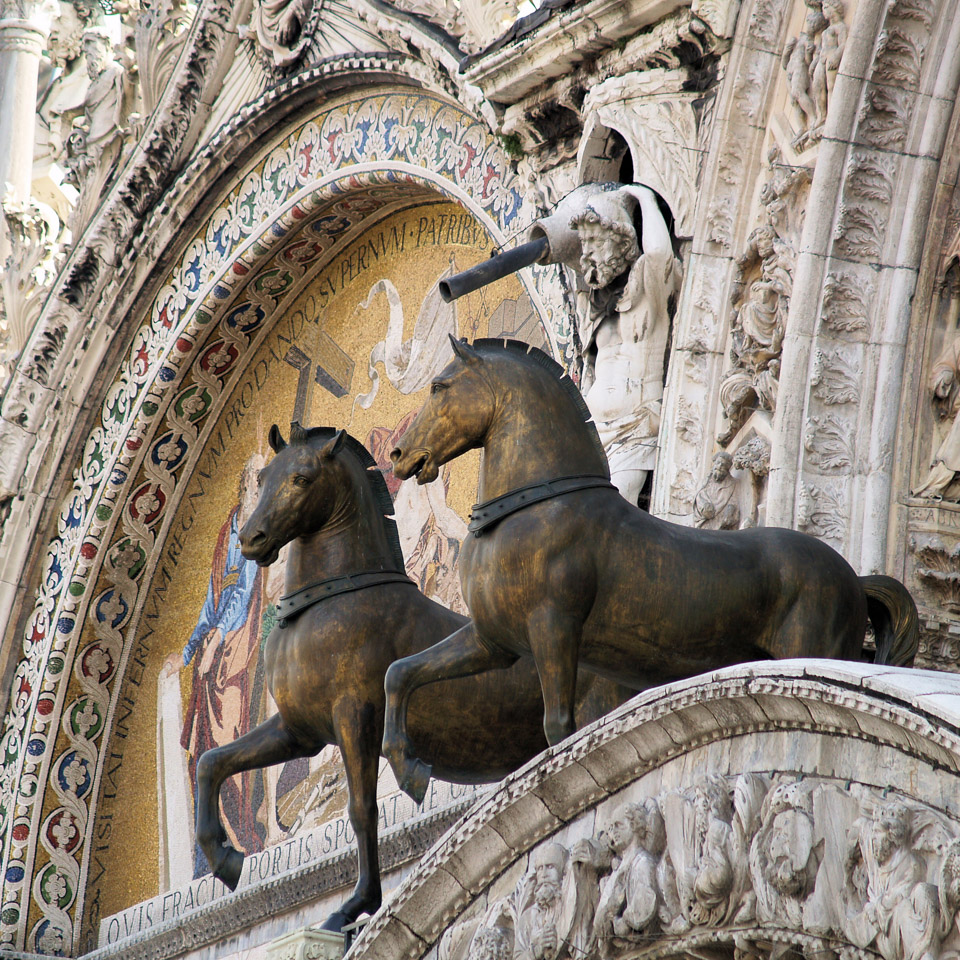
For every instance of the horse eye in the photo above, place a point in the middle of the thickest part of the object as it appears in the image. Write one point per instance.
(437, 387)
(301, 481)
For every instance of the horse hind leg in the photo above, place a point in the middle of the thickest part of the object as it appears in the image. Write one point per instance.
(462, 654)
(264, 746)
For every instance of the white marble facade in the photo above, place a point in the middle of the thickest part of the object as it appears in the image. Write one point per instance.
(800, 367)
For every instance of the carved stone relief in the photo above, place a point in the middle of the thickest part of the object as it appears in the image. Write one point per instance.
(35, 236)
(752, 860)
(811, 61)
(760, 299)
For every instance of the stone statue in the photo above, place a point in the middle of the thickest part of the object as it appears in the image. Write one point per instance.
(624, 326)
(832, 41)
(100, 126)
(715, 506)
(799, 57)
(889, 906)
(108, 99)
(941, 481)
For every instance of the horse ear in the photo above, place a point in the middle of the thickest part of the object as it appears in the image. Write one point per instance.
(463, 350)
(276, 441)
(332, 447)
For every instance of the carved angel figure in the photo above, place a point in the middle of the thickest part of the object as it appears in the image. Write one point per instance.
(941, 481)
(889, 906)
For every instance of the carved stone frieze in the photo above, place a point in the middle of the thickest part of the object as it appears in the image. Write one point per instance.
(828, 441)
(836, 377)
(822, 510)
(859, 230)
(760, 297)
(34, 234)
(884, 116)
(745, 860)
(847, 300)
(765, 20)
(160, 32)
(938, 566)
(899, 57)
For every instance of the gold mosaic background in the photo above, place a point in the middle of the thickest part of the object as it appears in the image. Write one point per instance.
(339, 333)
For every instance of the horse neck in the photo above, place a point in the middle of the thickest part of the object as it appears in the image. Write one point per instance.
(536, 433)
(352, 540)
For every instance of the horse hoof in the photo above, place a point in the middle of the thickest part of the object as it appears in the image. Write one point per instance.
(336, 921)
(230, 867)
(416, 780)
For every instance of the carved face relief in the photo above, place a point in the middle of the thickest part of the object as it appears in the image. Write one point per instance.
(604, 254)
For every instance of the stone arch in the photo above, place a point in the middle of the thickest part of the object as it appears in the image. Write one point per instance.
(314, 186)
(813, 739)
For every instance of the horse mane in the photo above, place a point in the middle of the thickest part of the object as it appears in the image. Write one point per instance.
(378, 486)
(537, 356)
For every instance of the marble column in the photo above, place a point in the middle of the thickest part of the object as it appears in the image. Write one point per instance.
(22, 40)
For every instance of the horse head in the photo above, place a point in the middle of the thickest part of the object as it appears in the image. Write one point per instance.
(454, 419)
(298, 491)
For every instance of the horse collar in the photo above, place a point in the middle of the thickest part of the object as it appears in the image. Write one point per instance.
(295, 603)
(485, 515)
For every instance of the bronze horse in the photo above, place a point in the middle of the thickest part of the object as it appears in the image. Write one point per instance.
(560, 568)
(349, 611)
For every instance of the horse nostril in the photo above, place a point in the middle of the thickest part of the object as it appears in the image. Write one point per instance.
(395, 454)
(252, 539)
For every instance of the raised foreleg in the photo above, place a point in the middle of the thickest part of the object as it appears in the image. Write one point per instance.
(263, 746)
(462, 654)
(358, 729)
(554, 637)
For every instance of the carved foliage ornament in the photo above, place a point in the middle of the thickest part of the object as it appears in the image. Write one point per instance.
(755, 860)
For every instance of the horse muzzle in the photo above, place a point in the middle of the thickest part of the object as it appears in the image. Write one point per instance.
(417, 463)
(259, 547)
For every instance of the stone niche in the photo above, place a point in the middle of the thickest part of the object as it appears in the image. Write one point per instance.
(766, 810)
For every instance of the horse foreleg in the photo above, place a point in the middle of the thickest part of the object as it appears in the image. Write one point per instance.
(461, 655)
(263, 746)
(358, 736)
(554, 637)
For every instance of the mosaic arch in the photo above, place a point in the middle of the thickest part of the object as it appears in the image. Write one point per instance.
(307, 196)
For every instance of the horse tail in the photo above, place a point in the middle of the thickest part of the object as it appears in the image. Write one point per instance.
(896, 623)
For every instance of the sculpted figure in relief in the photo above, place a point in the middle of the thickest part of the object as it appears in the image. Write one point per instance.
(785, 855)
(832, 41)
(630, 905)
(715, 506)
(278, 25)
(889, 906)
(539, 915)
(624, 326)
(941, 482)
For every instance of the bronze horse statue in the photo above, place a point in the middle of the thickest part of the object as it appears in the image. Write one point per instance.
(348, 612)
(560, 568)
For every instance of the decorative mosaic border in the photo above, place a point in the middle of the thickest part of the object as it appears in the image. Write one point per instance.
(305, 195)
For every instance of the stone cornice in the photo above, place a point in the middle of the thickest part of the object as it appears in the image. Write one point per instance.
(567, 38)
